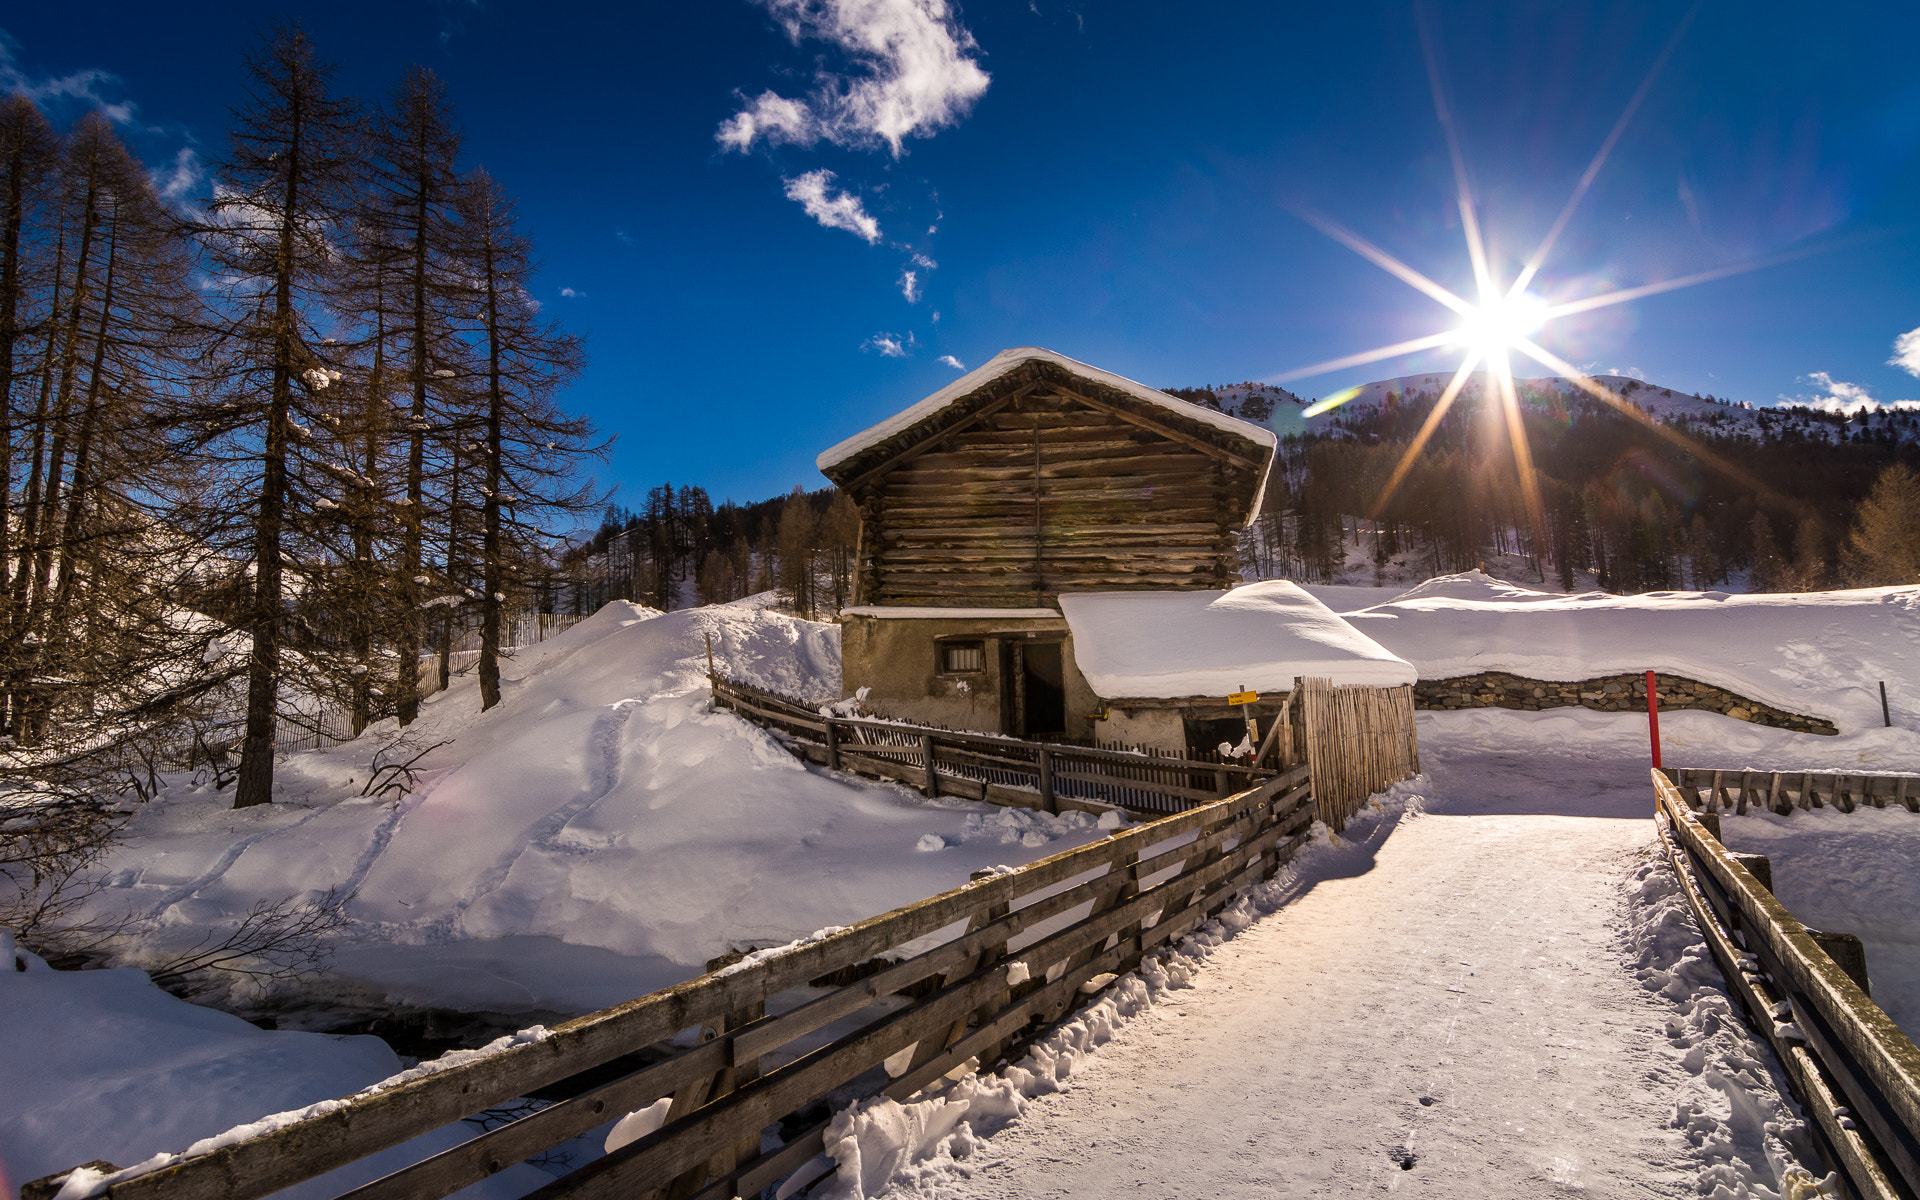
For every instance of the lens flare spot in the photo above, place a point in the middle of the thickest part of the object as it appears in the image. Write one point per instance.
(1330, 403)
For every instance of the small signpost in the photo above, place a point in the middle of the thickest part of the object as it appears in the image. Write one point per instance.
(1653, 719)
(1245, 700)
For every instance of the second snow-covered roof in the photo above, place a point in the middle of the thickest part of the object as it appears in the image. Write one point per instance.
(1171, 645)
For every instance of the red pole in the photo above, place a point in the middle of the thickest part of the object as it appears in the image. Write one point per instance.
(1653, 720)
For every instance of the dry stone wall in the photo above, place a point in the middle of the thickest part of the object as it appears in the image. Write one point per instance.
(1609, 693)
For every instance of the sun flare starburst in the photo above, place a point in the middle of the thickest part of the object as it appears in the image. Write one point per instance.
(1506, 316)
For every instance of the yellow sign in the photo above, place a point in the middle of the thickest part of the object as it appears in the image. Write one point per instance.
(1243, 697)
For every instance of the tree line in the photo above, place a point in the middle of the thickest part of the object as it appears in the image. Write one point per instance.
(679, 550)
(261, 449)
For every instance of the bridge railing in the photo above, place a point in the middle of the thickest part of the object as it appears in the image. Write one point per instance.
(900, 1000)
(1855, 1073)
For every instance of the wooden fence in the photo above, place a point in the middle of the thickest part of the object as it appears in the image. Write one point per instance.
(1856, 1075)
(899, 1001)
(978, 766)
(1360, 740)
(1784, 791)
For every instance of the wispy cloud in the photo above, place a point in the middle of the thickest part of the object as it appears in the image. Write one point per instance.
(1839, 396)
(914, 74)
(950, 361)
(910, 286)
(572, 293)
(890, 345)
(625, 238)
(1906, 352)
(833, 208)
(84, 86)
(180, 180)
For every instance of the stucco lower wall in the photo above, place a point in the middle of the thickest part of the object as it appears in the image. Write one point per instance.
(896, 659)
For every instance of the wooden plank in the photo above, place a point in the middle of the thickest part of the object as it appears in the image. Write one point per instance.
(1185, 439)
(857, 484)
(1854, 1154)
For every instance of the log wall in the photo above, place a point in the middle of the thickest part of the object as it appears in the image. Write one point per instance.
(1046, 491)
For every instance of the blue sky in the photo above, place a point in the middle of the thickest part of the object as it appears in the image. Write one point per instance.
(1119, 181)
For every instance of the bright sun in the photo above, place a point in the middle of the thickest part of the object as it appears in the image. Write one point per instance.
(1507, 316)
(1492, 329)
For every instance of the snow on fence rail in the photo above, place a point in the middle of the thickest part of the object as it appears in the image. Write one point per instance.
(1000, 770)
(736, 1049)
(1783, 791)
(1852, 1069)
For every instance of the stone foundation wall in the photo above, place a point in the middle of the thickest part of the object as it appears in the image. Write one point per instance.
(1610, 693)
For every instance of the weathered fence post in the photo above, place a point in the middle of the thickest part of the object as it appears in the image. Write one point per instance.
(933, 778)
(833, 746)
(1047, 801)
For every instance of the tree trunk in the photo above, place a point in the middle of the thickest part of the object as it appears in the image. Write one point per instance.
(255, 781)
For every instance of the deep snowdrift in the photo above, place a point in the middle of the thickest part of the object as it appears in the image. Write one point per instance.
(1820, 653)
(599, 808)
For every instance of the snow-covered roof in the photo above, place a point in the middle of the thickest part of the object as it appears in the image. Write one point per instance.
(1020, 356)
(1166, 645)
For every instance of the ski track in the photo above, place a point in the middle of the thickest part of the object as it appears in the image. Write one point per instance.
(222, 865)
(606, 739)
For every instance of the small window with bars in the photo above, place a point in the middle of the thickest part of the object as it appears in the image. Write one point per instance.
(963, 658)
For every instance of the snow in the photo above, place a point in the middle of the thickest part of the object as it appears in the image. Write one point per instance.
(1849, 873)
(1818, 653)
(1008, 360)
(1258, 635)
(1490, 986)
(104, 1065)
(598, 835)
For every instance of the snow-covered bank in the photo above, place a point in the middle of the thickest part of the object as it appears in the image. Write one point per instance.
(599, 808)
(103, 1065)
(1821, 653)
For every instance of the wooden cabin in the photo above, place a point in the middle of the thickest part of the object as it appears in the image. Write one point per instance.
(1032, 477)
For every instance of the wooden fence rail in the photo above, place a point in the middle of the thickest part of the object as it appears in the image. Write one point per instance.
(932, 990)
(1855, 1073)
(1784, 791)
(1003, 770)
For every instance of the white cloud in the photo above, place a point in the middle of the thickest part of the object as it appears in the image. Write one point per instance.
(83, 86)
(1839, 396)
(950, 361)
(573, 293)
(890, 345)
(927, 264)
(915, 76)
(179, 180)
(1906, 352)
(910, 286)
(834, 209)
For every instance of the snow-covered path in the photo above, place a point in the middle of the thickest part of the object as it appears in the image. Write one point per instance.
(1453, 1016)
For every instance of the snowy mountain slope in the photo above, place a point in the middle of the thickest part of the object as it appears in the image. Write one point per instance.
(1822, 653)
(600, 808)
(1701, 415)
(1281, 410)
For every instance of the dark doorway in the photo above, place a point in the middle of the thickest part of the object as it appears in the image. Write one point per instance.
(1045, 690)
